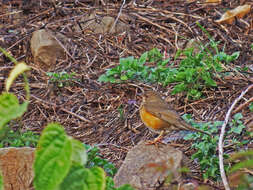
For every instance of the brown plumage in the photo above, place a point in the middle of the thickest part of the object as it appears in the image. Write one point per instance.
(159, 117)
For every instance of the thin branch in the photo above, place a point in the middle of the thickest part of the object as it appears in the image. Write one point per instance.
(116, 20)
(243, 105)
(63, 109)
(222, 171)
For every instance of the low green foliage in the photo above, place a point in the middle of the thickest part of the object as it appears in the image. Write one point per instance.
(251, 106)
(195, 72)
(236, 124)
(1, 182)
(19, 139)
(134, 69)
(59, 159)
(94, 159)
(62, 79)
(9, 109)
(206, 147)
(60, 164)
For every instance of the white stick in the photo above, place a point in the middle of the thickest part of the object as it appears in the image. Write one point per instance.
(221, 164)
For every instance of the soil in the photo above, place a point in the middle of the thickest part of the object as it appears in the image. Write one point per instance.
(106, 114)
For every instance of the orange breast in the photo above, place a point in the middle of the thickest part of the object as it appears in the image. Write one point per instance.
(151, 121)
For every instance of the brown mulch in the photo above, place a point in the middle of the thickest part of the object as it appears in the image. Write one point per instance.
(90, 111)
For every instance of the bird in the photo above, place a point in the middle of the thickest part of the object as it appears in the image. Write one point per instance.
(159, 117)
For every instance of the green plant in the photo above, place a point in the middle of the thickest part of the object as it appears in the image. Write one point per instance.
(195, 72)
(251, 106)
(94, 159)
(19, 139)
(9, 105)
(206, 147)
(61, 79)
(198, 70)
(134, 69)
(59, 159)
(60, 163)
(1, 181)
(236, 124)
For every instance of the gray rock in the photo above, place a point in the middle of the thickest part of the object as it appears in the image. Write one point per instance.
(149, 166)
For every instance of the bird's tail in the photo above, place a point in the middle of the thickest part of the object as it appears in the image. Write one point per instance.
(189, 127)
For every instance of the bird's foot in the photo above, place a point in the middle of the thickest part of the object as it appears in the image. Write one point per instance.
(156, 141)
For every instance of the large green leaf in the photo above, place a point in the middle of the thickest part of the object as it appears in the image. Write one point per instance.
(1, 181)
(10, 108)
(52, 158)
(125, 187)
(99, 180)
(75, 180)
(79, 154)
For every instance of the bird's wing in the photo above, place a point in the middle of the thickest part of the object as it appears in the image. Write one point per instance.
(167, 114)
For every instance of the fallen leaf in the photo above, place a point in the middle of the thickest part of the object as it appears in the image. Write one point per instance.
(229, 16)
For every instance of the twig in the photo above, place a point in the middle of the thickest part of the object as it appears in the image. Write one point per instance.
(153, 23)
(243, 105)
(116, 20)
(63, 109)
(221, 164)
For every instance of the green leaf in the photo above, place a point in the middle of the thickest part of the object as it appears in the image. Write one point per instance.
(10, 108)
(52, 158)
(123, 77)
(79, 154)
(99, 179)
(4, 132)
(125, 187)
(84, 179)
(194, 93)
(235, 55)
(208, 80)
(251, 107)
(178, 53)
(238, 129)
(17, 70)
(1, 181)
(238, 116)
(80, 178)
(75, 180)
(143, 58)
(178, 88)
(126, 62)
(113, 71)
(103, 78)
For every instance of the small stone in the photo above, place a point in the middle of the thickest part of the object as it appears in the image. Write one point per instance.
(16, 165)
(149, 166)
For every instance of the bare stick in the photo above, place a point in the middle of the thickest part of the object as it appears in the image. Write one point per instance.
(116, 20)
(221, 164)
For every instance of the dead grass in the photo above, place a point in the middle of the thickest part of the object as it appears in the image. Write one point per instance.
(89, 110)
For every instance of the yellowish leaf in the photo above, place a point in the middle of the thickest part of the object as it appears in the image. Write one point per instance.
(229, 16)
(213, 1)
(17, 70)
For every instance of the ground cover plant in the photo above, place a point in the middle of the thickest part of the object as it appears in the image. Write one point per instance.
(106, 113)
(60, 161)
(206, 146)
(197, 71)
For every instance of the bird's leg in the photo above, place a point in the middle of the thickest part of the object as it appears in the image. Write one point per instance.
(157, 139)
